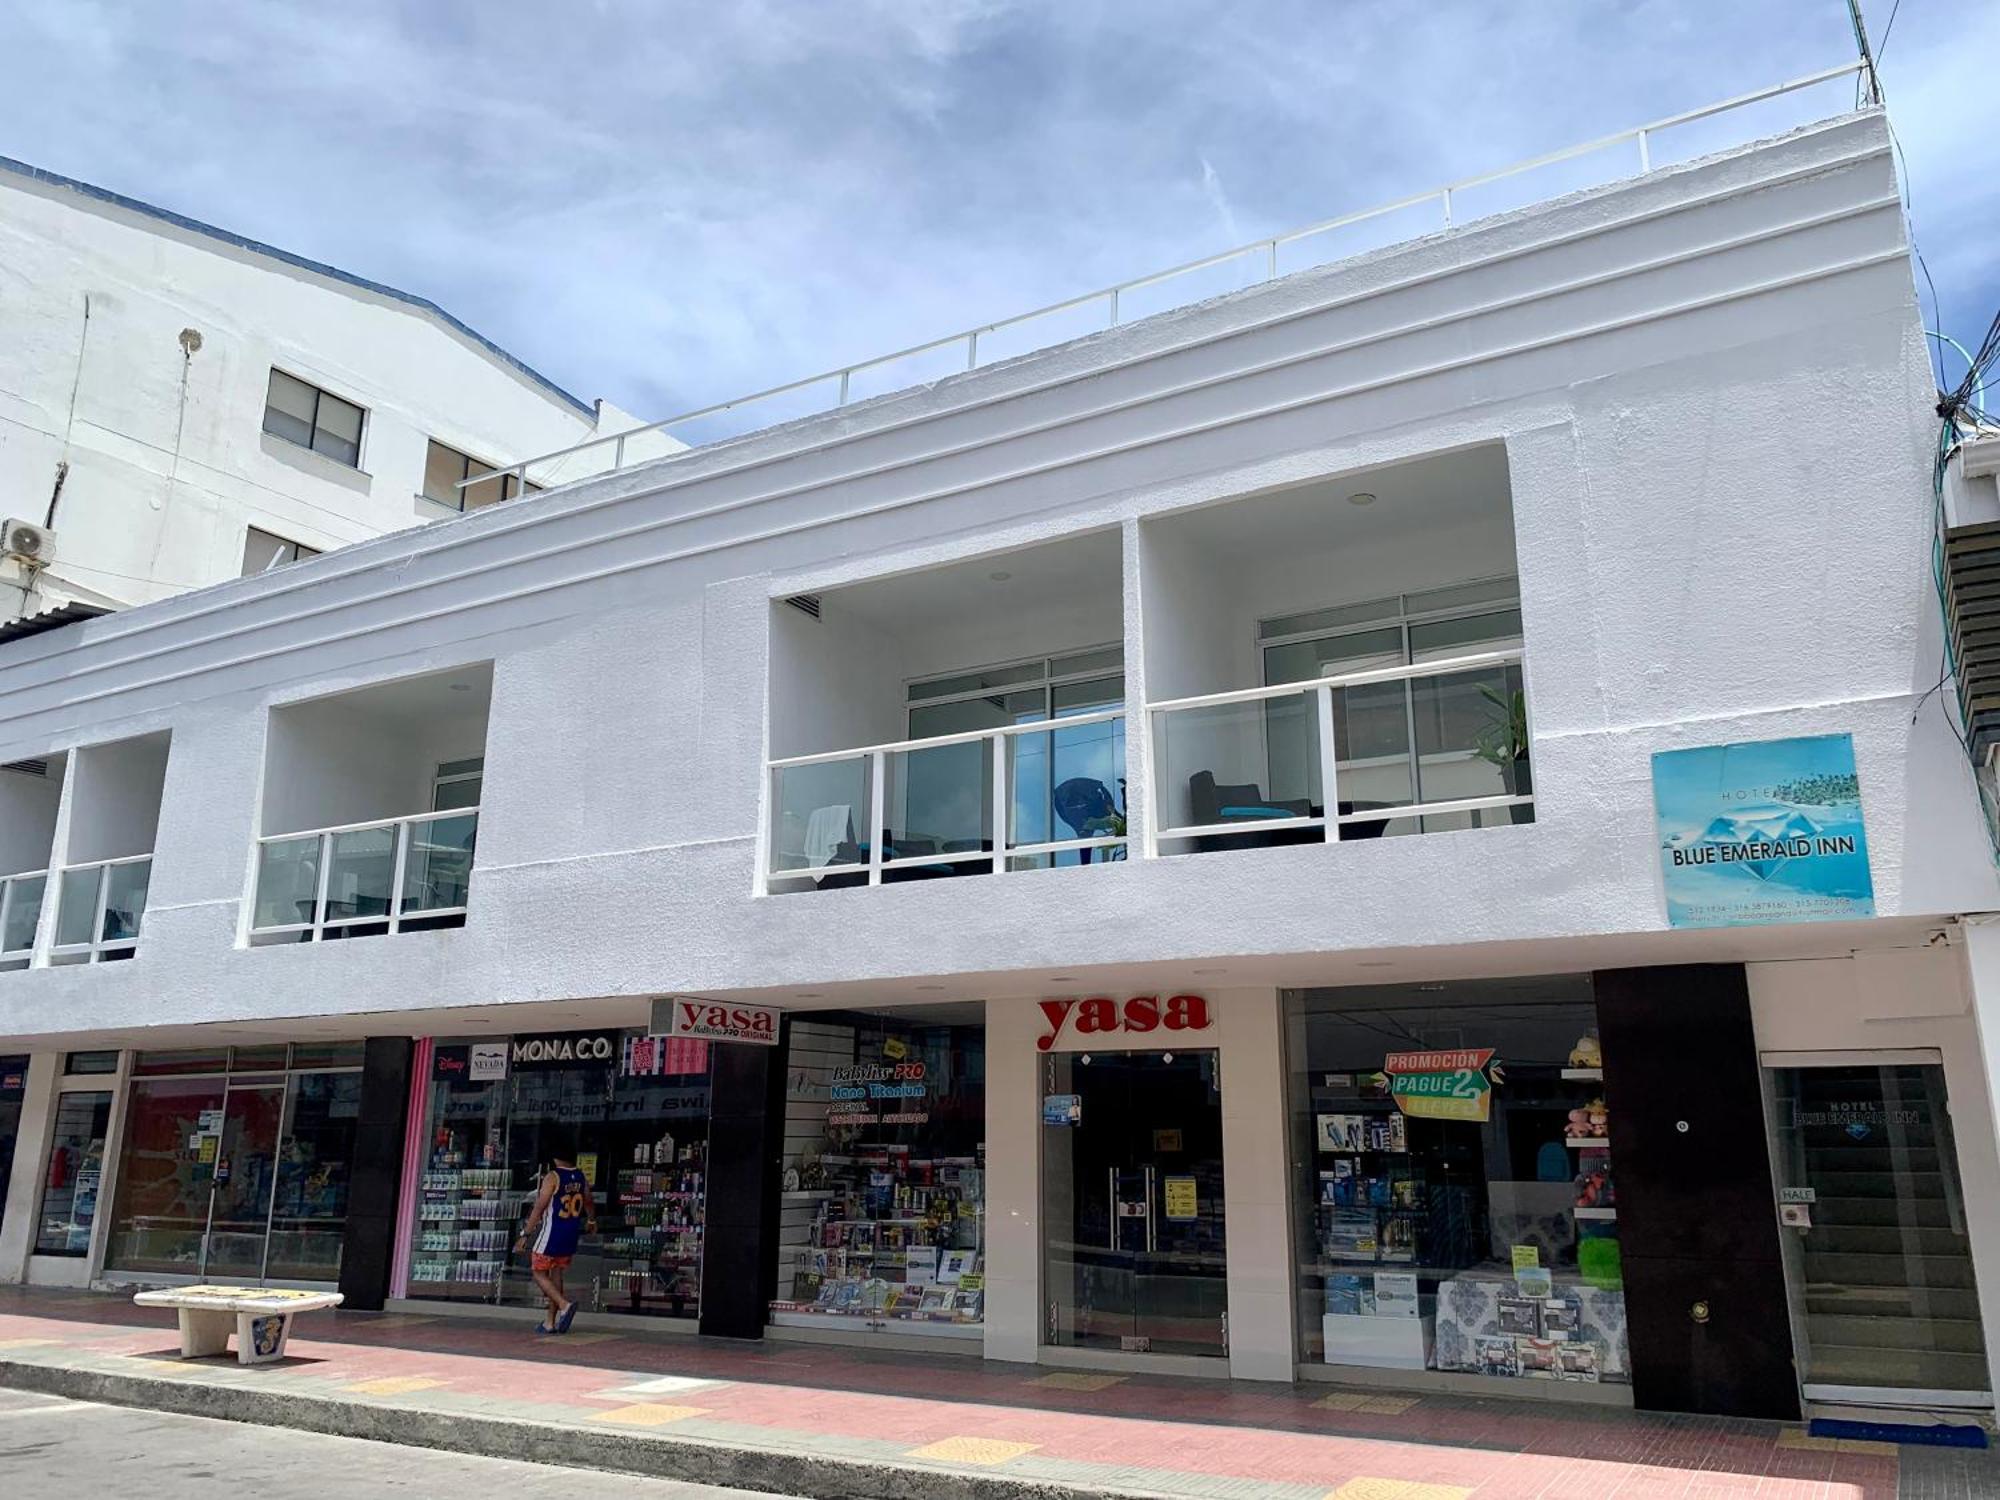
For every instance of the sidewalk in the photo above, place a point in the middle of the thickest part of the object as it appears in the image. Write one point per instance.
(831, 1422)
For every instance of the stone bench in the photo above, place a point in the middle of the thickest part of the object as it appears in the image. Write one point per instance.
(260, 1317)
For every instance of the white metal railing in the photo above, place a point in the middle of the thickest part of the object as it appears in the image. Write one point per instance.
(20, 914)
(1246, 743)
(1262, 256)
(813, 835)
(99, 909)
(384, 876)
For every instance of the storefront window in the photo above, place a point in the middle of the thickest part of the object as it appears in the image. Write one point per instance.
(74, 1173)
(884, 1198)
(638, 1106)
(13, 1088)
(1453, 1166)
(228, 1174)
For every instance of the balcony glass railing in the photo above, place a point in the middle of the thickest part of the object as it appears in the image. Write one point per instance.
(366, 879)
(1055, 788)
(99, 908)
(1393, 750)
(20, 912)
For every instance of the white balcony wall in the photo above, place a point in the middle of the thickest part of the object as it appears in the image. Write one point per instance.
(115, 807)
(28, 807)
(1712, 390)
(361, 756)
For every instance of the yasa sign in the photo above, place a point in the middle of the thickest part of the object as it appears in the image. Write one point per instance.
(1080, 1020)
(713, 1021)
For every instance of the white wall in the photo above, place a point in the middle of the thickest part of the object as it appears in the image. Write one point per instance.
(347, 759)
(28, 806)
(115, 807)
(167, 461)
(630, 620)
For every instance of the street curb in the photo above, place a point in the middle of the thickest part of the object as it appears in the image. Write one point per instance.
(659, 1456)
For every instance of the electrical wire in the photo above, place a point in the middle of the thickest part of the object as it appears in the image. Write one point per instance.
(1883, 46)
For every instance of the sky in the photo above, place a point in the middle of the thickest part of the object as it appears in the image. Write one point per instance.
(673, 204)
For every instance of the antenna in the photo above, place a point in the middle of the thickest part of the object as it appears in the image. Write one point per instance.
(1867, 55)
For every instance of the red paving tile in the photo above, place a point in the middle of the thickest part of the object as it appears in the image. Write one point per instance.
(1499, 1449)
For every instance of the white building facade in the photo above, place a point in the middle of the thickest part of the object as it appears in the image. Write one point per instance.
(180, 405)
(1190, 799)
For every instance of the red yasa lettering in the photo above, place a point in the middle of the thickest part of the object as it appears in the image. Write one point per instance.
(1142, 1012)
(1055, 1012)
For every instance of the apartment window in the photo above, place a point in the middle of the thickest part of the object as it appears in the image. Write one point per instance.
(262, 552)
(457, 784)
(306, 415)
(445, 468)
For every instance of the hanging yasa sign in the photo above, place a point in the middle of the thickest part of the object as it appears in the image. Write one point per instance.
(712, 1021)
(1443, 1085)
(1136, 1017)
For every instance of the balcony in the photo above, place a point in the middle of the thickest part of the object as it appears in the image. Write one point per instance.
(1361, 755)
(20, 916)
(958, 720)
(366, 879)
(936, 803)
(99, 909)
(371, 810)
(1337, 661)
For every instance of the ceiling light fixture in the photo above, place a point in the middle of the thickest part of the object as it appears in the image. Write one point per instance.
(1361, 497)
(1000, 576)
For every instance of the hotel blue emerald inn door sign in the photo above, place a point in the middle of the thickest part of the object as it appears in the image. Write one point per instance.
(1769, 831)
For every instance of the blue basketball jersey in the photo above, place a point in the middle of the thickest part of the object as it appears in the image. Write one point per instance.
(563, 1225)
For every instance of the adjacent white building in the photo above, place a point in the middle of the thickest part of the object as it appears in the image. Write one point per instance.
(180, 405)
(1191, 797)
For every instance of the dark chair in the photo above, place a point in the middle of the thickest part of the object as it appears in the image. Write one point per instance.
(1087, 806)
(1214, 802)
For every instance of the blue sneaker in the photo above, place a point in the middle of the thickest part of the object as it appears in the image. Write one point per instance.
(568, 1317)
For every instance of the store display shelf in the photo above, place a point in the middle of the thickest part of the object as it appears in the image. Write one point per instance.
(888, 1327)
(1595, 1213)
(1588, 1142)
(807, 1195)
(1584, 1075)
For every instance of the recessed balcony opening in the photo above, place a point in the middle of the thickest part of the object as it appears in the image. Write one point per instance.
(1338, 661)
(30, 792)
(107, 865)
(962, 720)
(371, 809)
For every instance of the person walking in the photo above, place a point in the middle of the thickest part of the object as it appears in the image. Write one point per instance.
(564, 1211)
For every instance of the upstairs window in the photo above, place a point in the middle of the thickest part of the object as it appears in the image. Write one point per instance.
(445, 468)
(262, 552)
(306, 415)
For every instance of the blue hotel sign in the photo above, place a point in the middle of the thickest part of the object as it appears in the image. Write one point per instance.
(1769, 831)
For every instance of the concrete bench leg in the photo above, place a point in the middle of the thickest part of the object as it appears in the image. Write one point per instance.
(205, 1331)
(261, 1337)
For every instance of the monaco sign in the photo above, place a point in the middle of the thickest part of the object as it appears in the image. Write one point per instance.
(715, 1021)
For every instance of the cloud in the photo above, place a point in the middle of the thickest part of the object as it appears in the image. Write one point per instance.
(669, 205)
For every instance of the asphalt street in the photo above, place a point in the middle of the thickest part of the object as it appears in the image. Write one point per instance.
(48, 1444)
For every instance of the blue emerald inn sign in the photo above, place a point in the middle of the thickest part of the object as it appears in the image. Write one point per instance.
(1763, 832)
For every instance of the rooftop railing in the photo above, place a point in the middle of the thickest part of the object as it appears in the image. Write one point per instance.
(1259, 260)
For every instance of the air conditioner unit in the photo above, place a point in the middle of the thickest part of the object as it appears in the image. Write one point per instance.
(26, 542)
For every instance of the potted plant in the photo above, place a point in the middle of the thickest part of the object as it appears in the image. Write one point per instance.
(1503, 742)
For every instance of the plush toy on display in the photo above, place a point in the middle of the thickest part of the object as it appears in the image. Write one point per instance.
(1594, 1189)
(1590, 1120)
(1586, 1053)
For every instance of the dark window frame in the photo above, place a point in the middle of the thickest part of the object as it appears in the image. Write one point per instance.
(511, 484)
(300, 551)
(320, 396)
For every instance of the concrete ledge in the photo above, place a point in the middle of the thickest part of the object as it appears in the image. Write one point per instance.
(657, 1456)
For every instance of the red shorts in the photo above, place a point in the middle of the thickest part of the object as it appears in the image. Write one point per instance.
(543, 1262)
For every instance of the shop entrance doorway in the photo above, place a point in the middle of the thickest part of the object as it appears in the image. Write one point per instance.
(1133, 1238)
(239, 1205)
(1879, 1260)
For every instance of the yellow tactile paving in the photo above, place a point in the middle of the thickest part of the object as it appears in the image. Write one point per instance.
(648, 1414)
(571, 1339)
(972, 1450)
(395, 1385)
(397, 1320)
(1064, 1380)
(1388, 1406)
(1798, 1437)
(23, 1343)
(1363, 1487)
(1343, 1401)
